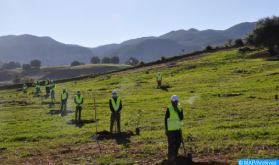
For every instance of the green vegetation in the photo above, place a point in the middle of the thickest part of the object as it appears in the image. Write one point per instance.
(233, 127)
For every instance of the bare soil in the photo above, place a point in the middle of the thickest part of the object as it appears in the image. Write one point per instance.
(263, 54)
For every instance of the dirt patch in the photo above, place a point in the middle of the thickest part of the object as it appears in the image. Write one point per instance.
(239, 71)
(49, 102)
(263, 54)
(53, 112)
(21, 103)
(81, 121)
(233, 94)
(180, 160)
(142, 82)
(107, 135)
(191, 67)
(113, 83)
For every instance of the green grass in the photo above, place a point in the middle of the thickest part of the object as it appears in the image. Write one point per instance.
(238, 127)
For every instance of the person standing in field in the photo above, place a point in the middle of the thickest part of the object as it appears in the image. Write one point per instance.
(159, 79)
(47, 84)
(53, 87)
(115, 105)
(38, 87)
(64, 98)
(78, 101)
(173, 126)
(24, 89)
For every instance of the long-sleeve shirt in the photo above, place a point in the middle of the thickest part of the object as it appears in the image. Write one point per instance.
(66, 97)
(76, 101)
(180, 114)
(111, 107)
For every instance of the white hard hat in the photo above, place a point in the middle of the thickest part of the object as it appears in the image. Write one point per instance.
(37, 80)
(63, 88)
(51, 80)
(47, 78)
(158, 73)
(114, 92)
(78, 90)
(174, 98)
(24, 84)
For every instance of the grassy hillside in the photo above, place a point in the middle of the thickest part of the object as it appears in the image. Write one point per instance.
(215, 128)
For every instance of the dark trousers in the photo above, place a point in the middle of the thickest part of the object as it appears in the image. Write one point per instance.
(63, 104)
(174, 140)
(114, 117)
(47, 90)
(78, 110)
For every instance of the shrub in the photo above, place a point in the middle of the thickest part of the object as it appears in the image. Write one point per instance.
(132, 61)
(18, 65)
(35, 63)
(244, 49)
(10, 75)
(208, 47)
(114, 60)
(105, 60)
(163, 58)
(238, 42)
(16, 78)
(27, 79)
(11, 65)
(95, 60)
(141, 63)
(75, 63)
(4, 66)
(26, 67)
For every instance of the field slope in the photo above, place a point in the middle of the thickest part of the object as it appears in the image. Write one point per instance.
(216, 128)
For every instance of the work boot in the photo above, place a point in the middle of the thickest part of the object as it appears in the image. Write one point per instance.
(189, 156)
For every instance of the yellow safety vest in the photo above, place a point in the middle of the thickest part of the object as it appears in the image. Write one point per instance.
(79, 100)
(47, 83)
(37, 85)
(115, 105)
(53, 88)
(24, 88)
(64, 95)
(174, 122)
(159, 78)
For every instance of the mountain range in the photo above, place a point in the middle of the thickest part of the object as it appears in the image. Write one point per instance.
(25, 48)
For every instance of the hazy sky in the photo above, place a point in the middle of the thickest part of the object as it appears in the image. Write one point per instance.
(98, 22)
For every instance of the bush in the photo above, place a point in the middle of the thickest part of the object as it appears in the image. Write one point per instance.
(35, 63)
(16, 78)
(4, 66)
(11, 65)
(238, 42)
(105, 60)
(163, 58)
(141, 63)
(208, 47)
(244, 49)
(27, 79)
(95, 60)
(114, 60)
(82, 63)
(75, 63)
(26, 67)
(18, 65)
(9, 75)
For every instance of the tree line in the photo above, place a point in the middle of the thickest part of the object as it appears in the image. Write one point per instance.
(26, 67)
(106, 60)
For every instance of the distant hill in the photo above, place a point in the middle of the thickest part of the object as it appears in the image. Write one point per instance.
(100, 50)
(191, 39)
(25, 48)
(150, 50)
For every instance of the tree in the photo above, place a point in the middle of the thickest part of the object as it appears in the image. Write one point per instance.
(183, 50)
(238, 42)
(18, 65)
(229, 41)
(11, 65)
(4, 66)
(114, 60)
(75, 63)
(16, 78)
(95, 60)
(105, 60)
(265, 34)
(26, 67)
(35, 63)
(208, 47)
(132, 61)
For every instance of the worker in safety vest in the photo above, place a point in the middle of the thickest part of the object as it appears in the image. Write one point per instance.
(47, 84)
(38, 87)
(159, 79)
(78, 101)
(52, 86)
(115, 105)
(24, 89)
(174, 125)
(64, 98)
